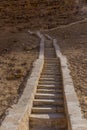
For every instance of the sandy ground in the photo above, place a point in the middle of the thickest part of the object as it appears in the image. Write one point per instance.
(17, 55)
(73, 44)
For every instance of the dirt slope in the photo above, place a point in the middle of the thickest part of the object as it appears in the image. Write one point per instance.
(36, 13)
(73, 43)
(18, 49)
(19, 52)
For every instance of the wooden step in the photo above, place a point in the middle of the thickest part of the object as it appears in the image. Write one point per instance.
(45, 74)
(50, 76)
(51, 79)
(50, 71)
(51, 86)
(50, 65)
(50, 62)
(50, 91)
(51, 59)
(46, 128)
(50, 82)
(48, 120)
(50, 102)
(51, 68)
(48, 96)
(47, 110)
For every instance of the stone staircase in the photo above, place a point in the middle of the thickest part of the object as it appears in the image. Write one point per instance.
(48, 111)
(46, 103)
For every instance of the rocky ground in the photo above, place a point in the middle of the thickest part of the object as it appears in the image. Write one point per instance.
(73, 44)
(16, 59)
